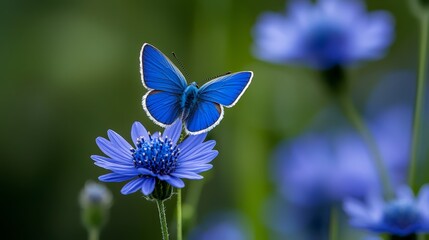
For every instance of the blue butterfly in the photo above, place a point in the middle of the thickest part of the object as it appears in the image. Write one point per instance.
(170, 97)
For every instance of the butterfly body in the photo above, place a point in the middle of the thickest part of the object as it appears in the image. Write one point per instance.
(189, 99)
(190, 96)
(170, 97)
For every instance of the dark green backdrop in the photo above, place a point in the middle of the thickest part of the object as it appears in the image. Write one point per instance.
(70, 71)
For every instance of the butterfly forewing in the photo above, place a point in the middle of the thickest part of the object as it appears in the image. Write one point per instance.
(158, 72)
(226, 90)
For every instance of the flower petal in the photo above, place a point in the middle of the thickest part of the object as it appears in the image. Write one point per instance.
(111, 151)
(132, 186)
(175, 182)
(119, 169)
(137, 131)
(173, 131)
(148, 185)
(123, 145)
(198, 148)
(192, 141)
(187, 175)
(156, 135)
(98, 158)
(145, 171)
(163, 177)
(355, 210)
(194, 168)
(198, 158)
(114, 177)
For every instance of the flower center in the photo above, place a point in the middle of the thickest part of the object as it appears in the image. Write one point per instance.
(327, 42)
(156, 154)
(401, 214)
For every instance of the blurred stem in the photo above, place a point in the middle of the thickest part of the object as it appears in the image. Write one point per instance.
(333, 223)
(419, 98)
(93, 234)
(162, 219)
(193, 197)
(353, 115)
(179, 214)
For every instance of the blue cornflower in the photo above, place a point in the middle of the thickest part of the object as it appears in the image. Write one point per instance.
(327, 34)
(155, 157)
(405, 215)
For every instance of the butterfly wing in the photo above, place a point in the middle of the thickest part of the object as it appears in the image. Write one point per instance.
(158, 72)
(226, 90)
(162, 107)
(206, 116)
(165, 84)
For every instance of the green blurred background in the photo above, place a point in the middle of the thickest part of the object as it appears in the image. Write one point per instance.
(70, 71)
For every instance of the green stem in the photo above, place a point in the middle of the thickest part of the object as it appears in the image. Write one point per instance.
(419, 98)
(93, 234)
(179, 214)
(162, 219)
(353, 115)
(333, 224)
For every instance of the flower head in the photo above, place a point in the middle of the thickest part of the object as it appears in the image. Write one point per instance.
(327, 34)
(405, 215)
(95, 194)
(153, 158)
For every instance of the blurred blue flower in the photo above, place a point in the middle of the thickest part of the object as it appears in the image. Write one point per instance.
(223, 226)
(95, 194)
(156, 156)
(95, 201)
(405, 215)
(320, 168)
(327, 34)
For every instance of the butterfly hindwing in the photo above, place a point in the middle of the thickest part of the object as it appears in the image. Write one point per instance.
(205, 116)
(158, 72)
(162, 107)
(226, 90)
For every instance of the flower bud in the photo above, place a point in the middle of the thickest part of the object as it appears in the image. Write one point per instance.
(95, 200)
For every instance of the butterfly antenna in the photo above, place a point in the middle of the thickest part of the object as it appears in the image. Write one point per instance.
(220, 75)
(180, 65)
